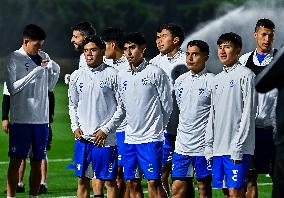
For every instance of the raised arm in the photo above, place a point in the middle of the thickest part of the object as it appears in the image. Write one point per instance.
(53, 74)
(14, 86)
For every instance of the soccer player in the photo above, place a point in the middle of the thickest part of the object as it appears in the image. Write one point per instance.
(113, 38)
(193, 95)
(257, 60)
(270, 78)
(30, 74)
(230, 131)
(92, 104)
(173, 61)
(147, 102)
(79, 32)
(5, 125)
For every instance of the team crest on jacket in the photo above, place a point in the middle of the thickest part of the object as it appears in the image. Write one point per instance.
(232, 83)
(145, 81)
(81, 85)
(103, 84)
(201, 91)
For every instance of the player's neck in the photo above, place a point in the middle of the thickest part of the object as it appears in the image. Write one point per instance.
(135, 65)
(173, 52)
(118, 55)
(262, 51)
(96, 64)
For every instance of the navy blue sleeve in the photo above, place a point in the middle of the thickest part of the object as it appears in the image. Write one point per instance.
(5, 107)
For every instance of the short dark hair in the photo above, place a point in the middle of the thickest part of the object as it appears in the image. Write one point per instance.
(230, 37)
(135, 37)
(266, 23)
(34, 32)
(174, 29)
(94, 39)
(85, 28)
(202, 45)
(113, 34)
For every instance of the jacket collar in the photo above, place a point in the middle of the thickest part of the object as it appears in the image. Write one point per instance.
(198, 74)
(140, 67)
(122, 59)
(96, 69)
(229, 69)
(173, 59)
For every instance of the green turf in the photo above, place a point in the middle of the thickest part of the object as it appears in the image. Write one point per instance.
(62, 182)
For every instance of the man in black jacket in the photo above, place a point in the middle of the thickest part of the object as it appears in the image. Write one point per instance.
(268, 79)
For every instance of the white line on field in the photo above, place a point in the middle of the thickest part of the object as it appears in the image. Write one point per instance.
(264, 184)
(49, 160)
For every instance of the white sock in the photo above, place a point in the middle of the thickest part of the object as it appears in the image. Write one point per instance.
(10, 197)
(21, 184)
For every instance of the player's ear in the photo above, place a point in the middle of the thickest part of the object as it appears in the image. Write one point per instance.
(144, 47)
(113, 44)
(25, 41)
(255, 34)
(239, 51)
(207, 57)
(176, 40)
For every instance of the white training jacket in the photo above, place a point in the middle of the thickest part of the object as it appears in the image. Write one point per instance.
(231, 124)
(146, 102)
(193, 95)
(82, 61)
(28, 85)
(120, 64)
(157, 59)
(174, 67)
(92, 101)
(266, 108)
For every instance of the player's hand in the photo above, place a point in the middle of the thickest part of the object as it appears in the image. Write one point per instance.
(99, 138)
(78, 132)
(67, 78)
(51, 119)
(236, 161)
(44, 62)
(5, 125)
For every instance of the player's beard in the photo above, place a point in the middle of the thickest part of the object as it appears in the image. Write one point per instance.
(80, 47)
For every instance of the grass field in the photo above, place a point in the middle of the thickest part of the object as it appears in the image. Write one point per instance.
(62, 182)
